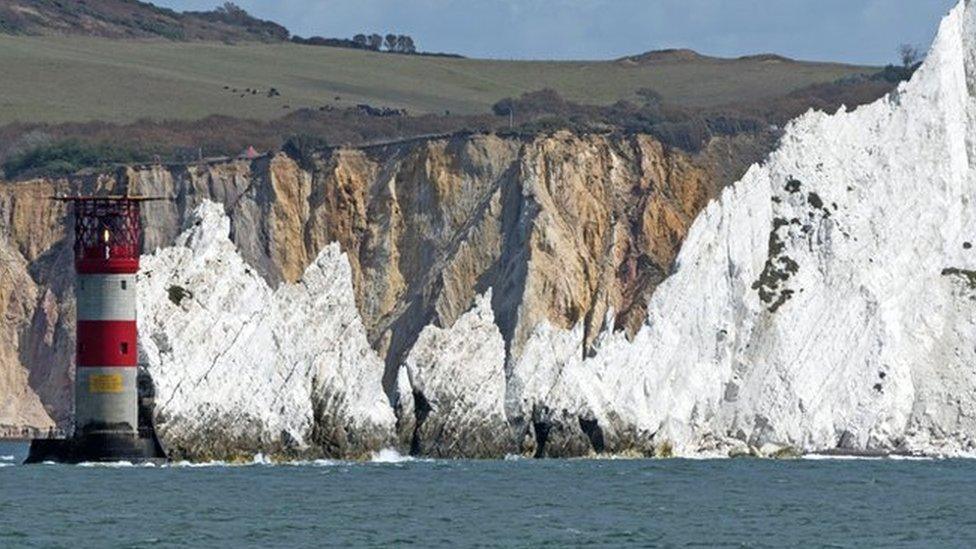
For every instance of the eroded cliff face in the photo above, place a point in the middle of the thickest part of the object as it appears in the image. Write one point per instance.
(562, 229)
(35, 383)
(826, 302)
(20, 406)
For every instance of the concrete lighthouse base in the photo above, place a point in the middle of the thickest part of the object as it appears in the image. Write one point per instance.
(97, 447)
(108, 444)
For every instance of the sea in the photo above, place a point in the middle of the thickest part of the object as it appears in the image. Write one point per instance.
(396, 501)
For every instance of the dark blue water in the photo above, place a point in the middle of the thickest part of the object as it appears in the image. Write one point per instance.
(525, 503)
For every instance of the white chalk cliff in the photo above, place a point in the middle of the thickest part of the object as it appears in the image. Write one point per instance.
(240, 368)
(459, 373)
(827, 301)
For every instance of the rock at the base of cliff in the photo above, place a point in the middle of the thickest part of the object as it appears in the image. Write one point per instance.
(452, 389)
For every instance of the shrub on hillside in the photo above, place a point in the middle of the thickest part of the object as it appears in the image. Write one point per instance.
(328, 42)
(161, 28)
(302, 147)
(545, 111)
(543, 102)
(66, 157)
(12, 21)
(233, 15)
(895, 74)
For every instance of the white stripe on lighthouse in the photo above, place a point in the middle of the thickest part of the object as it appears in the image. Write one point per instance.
(106, 296)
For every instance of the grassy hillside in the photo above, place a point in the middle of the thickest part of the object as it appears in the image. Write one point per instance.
(133, 19)
(74, 78)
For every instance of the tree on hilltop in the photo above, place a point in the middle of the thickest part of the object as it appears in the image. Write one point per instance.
(231, 8)
(375, 42)
(910, 55)
(405, 44)
(232, 12)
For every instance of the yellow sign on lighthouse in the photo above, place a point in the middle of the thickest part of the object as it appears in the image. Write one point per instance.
(104, 383)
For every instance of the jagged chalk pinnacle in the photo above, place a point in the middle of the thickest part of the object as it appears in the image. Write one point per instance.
(240, 368)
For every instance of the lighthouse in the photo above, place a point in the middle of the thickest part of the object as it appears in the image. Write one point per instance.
(107, 422)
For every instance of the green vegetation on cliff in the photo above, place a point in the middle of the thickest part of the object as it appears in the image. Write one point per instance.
(68, 156)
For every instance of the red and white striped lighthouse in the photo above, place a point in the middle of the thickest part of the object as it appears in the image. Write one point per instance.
(106, 256)
(107, 235)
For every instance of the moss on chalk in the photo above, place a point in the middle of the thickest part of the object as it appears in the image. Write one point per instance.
(664, 450)
(177, 294)
(968, 276)
(778, 269)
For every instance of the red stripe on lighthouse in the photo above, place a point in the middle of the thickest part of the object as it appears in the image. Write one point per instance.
(104, 343)
(107, 265)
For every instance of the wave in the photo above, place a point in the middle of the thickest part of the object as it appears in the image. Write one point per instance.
(114, 464)
(259, 460)
(390, 455)
(200, 464)
(922, 458)
(316, 463)
(854, 457)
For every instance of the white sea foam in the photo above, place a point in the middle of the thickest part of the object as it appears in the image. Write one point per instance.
(6, 458)
(258, 460)
(116, 464)
(840, 457)
(263, 460)
(107, 464)
(389, 455)
(197, 465)
(316, 463)
(890, 457)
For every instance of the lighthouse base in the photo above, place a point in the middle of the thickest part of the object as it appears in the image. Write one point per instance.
(97, 447)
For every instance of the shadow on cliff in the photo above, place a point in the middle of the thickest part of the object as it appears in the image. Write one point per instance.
(48, 344)
(506, 275)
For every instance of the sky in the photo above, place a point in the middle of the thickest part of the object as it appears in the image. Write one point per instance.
(854, 31)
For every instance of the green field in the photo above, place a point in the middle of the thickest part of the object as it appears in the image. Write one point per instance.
(66, 79)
